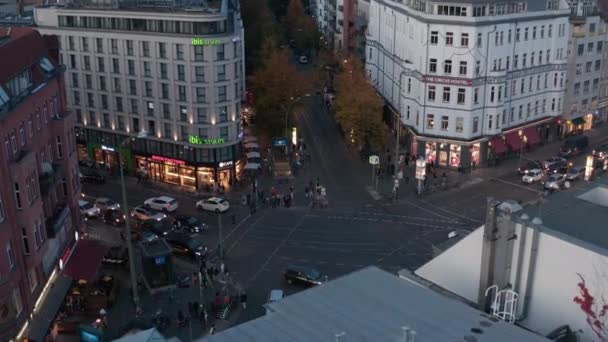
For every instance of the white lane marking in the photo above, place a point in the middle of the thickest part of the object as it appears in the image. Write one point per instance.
(251, 226)
(452, 212)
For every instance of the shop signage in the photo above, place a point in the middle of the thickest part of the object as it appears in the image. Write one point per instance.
(448, 80)
(225, 164)
(168, 160)
(196, 140)
(107, 148)
(278, 142)
(201, 41)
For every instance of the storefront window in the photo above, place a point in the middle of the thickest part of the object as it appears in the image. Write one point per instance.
(431, 152)
(455, 155)
(204, 176)
(225, 153)
(187, 175)
(171, 174)
(475, 154)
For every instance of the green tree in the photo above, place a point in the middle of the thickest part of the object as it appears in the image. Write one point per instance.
(358, 108)
(260, 26)
(275, 84)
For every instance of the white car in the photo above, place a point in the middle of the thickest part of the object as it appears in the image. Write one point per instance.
(162, 203)
(213, 204)
(555, 181)
(87, 209)
(533, 176)
(104, 203)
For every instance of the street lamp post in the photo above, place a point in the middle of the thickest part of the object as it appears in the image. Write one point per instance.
(123, 188)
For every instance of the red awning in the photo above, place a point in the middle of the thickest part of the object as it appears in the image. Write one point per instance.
(498, 145)
(514, 141)
(85, 260)
(532, 134)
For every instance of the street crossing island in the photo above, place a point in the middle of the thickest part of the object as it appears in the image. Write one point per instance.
(201, 41)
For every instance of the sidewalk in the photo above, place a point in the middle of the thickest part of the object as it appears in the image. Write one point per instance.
(458, 180)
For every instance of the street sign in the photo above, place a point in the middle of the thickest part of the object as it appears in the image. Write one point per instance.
(374, 160)
(279, 142)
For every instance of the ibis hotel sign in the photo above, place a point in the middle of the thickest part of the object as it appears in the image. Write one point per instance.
(196, 140)
(205, 42)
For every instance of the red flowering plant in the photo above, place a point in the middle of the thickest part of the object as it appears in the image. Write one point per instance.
(596, 312)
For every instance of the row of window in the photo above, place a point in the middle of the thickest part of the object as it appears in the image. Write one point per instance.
(13, 144)
(591, 48)
(32, 189)
(500, 9)
(589, 67)
(161, 52)
(182, 133)
(143, 25)
(200, 96)
(586, 86)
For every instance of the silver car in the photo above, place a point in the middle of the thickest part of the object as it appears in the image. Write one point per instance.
(575, 173)
(555, 181)
(144, 214)
(104, 203)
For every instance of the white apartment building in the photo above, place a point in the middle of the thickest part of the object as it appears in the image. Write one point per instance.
(588, 34)
(172, 68)
(472, 81)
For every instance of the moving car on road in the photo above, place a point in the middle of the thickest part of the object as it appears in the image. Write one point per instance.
(189, 224)
(555, 181)
(140, 236)
(575, 173)
(213, 204)
(144, 214)
(184, 244)
(304, 275)
(87, 209)
(601, 152)
(159, 227)
(163, 203)
(529, 165)
(104, 203)
(551, 162)
(114, 217)
(533, 176)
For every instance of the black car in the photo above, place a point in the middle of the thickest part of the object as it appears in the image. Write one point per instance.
(304, 275)
(530, 165)
(161, 227)
(557, 168)
(184, 244)
(189, 224)
(90, 176)
(114, 217)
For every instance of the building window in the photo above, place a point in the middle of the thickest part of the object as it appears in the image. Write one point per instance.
(145, 48)
(166, 111)
(199, 74)
(147, 69)
(168, 130)
(447, 66)
(477, 68)
(162, 50)
(2, 210)
(479, 39)
(223, 114)
(581, 49)
(201, 115)
(11, 255)
(434, 37)
(121, 122)
(181, 91)
(463, 68)
(433, 65)
(33, 279)
(430, 121)
(200, 95)
(183, 133)
(432, 90)
(444, 123)
(198, 54)
(179, 52)
(219, 50)
(59, 147)
(164, 91)
(181, 73)
(464, 40)
(183, 113)
(26, 243)
(164, 74)
(598, 64)
(459, 124)
(224, 133)
(490, 118)
(449, 38)
(221, 93)
(221, 72)
(17, 195)
(446, 94)
(475, 124)
(114, 46)
(461, 95)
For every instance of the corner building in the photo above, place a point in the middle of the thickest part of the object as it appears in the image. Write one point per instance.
(175, 70)
(39, 185)
(472, 81)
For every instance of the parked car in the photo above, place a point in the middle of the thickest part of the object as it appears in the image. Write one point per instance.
(163, 203)
(104, 203)
(90, 176)
(555, 181)
(529, 165)
(87, 209)
(304, 275)
(533, 176)
(213, 204)
(159, 227)
(140, 236)
(184, 244)
(601, 152)
(144, 214)
(557, 168)
(575, 173)
(114, 217)
(574, 146)
(189, 223)
(552, 161)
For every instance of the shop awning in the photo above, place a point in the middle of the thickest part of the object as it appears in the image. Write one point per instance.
(48, 308)
(578, 121)
(514, 141)
(85, 261)
(532, 134)
(498, 145)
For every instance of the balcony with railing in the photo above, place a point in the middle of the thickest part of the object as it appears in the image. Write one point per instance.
(57, 219)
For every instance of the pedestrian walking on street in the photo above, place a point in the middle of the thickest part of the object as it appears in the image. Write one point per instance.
(212, 329)
(244, 300)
